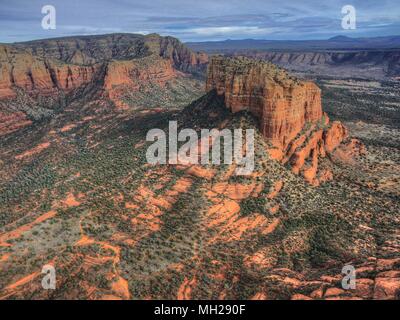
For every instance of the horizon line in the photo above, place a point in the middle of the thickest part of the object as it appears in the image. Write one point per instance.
(202, 41)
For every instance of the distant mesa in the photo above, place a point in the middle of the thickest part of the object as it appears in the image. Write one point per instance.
(108, 65)
(47, 66)
(342, 38)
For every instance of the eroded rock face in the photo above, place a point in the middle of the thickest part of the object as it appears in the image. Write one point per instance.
(180, 56)
(282, 103)
(123, 76)
(22, 70)
(66, 64)
(110, 65)
(289, 112)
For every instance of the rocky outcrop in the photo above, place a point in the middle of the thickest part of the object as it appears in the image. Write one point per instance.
(65, 64)
(123, 76)
(333, 136)
(289, 112)
(112, 65)
(181, 56)
(305, 152)
(282, 104)
(21, 70)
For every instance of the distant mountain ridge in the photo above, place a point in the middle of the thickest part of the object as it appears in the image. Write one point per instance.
(334, 43)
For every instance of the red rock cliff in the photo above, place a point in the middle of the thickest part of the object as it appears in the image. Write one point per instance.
(289, 111)
(283, 104)
(45, 66)
(21, 70)
(111, 64)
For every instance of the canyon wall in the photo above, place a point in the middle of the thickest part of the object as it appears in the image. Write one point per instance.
(22, 70)
(68, 63)
(339, 57)
(110, 65)
(375, 64)
(289, 112)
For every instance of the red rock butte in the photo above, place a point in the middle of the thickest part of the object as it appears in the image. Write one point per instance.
(282, 103)
(289, 111)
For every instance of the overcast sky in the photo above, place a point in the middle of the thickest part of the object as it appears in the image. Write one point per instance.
(199, 20)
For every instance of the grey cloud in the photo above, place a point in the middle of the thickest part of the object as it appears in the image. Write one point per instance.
(199, 20)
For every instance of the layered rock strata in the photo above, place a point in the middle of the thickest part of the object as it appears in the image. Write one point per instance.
(110, 64)
(69, 63)
(289, 111)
